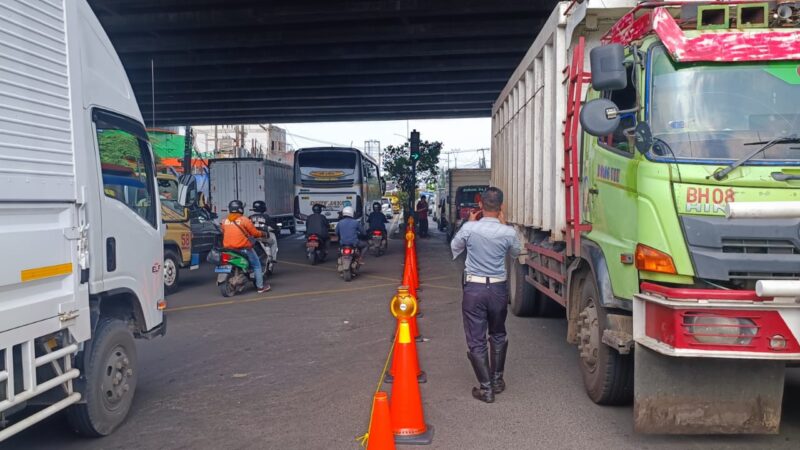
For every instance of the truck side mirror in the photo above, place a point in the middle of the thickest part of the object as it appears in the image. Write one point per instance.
(643, 137)
(608, 67)
(600, 117)
(187, 190)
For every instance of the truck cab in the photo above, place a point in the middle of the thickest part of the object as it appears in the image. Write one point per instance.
(178, 237)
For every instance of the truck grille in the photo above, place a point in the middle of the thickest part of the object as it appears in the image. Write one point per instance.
(743, 249)
(755, 246)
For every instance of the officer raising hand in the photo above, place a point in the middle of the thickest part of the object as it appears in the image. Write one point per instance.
(485, 300)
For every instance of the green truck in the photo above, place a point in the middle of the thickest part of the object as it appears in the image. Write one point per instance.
(624, 183)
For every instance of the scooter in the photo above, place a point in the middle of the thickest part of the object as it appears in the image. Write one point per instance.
(348, 262)
(315, 249)
(378, 243)
(233, 272)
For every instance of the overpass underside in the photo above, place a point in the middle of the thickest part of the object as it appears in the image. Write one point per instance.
(247, 61)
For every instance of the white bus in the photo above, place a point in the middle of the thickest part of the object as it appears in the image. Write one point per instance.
(335, 177)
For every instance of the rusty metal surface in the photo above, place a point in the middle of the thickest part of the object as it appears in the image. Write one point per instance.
(706, 396)
(714, 46)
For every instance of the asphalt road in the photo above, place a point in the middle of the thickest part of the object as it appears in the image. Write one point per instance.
(296, 368)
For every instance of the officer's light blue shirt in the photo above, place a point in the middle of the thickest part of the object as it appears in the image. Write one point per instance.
(487, 242)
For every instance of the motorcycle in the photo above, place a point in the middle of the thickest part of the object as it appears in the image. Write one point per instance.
(348, 262)
(234, 270)
(378, 243)
(315, 249)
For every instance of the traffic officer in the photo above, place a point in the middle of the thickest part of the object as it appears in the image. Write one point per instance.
(485, 300)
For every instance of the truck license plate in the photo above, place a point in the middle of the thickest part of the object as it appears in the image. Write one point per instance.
(222, 269)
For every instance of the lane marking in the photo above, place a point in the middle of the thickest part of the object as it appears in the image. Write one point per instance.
(436, 286)
(277, 297)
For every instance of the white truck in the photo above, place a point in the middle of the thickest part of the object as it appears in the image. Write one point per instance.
(461, 193)
(80, 227)
(252, 179)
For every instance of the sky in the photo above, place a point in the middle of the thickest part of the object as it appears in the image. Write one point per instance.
(461, 134)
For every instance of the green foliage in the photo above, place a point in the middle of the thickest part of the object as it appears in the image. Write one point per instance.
(119, 148)
(397, 164)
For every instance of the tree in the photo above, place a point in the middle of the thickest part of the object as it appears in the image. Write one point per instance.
(397, 164)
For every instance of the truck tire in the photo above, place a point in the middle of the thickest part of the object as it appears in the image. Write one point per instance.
(172, 265)
(524, 298)
(110, 372)
(607, 375)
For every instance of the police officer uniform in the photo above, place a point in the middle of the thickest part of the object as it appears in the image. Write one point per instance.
(485, 300)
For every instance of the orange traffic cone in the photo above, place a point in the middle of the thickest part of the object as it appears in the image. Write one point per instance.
(408, 280)
(411, 349)
(380, 426)
(408, 422)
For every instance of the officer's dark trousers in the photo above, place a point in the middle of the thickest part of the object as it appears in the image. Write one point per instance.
(484, 308)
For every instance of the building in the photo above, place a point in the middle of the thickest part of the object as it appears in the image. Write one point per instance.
(240, 141)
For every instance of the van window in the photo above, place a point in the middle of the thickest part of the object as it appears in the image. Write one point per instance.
(126, 167)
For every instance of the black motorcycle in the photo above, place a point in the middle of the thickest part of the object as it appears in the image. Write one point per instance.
(348, 262)
(315, 249)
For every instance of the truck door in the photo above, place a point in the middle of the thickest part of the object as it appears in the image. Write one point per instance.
(131, 228)
(609, 183)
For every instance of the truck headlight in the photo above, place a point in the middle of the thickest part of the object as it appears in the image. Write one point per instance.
(720, 330)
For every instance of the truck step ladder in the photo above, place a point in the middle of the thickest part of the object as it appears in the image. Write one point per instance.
(61, 362)
(576, 78)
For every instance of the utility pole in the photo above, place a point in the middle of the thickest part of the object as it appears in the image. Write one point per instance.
(482, 162)
(414, 153)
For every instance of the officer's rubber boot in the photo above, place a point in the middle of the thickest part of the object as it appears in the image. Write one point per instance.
(480, 364)
(498, 364)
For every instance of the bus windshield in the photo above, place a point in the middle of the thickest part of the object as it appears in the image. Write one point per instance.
(326, 167)
(707, 112)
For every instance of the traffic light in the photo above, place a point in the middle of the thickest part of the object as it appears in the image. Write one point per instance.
(414, 141)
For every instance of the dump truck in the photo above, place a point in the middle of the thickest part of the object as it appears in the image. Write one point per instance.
(81, 233)
(462, 191)
(622, 138)
(251, 179)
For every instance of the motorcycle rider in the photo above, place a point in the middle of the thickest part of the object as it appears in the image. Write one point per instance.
(261, 221)
(377, 220)
(350, 232)
(318, 224)
(236, 231)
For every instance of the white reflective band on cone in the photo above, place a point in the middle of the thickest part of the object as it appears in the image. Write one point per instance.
(763, 210)
(778, 288)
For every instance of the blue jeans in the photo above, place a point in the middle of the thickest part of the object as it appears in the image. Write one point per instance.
(255, 263)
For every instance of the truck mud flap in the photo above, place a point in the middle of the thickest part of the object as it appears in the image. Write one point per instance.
(679, 395)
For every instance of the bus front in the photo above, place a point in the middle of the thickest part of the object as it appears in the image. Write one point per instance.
(329, 177)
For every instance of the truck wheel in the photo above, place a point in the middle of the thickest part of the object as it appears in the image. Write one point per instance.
(171, 271)
(110, 372)
(293, 230)
(607, 375)
(524, 297)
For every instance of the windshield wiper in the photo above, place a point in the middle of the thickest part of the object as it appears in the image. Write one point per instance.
(792, 138)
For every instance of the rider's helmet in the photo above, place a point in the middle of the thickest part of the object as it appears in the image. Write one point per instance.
(236, 206)
(317, 209)
(348, 211)
(259, 206)
(376, 206)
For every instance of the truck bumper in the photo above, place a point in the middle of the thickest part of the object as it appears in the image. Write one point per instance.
(711, 361)
(707, 323)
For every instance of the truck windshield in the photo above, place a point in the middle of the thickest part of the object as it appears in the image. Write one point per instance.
(326, 167)
(708, 112)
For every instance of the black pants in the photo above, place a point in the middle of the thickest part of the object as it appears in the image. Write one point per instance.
(423, 227)
(484, 308)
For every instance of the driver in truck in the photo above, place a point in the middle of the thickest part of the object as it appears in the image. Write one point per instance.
(237, 234)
